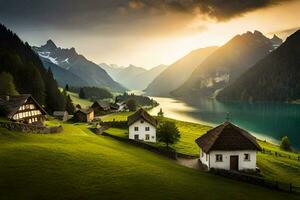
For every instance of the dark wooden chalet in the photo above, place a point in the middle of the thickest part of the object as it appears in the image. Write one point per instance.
(22, 108)
(84, 115)
(100, 107)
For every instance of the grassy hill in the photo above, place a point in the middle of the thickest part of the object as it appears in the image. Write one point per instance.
(77, 164)
(274, 168)
(84, 103)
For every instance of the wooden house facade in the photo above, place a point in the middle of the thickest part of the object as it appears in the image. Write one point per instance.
(84, 115)
(22, 108)
(101, 107)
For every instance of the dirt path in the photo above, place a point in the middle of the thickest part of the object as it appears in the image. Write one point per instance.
(190, 163)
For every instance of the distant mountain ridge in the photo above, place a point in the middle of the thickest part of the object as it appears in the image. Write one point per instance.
(133, 77)
(78, 65)
(227, 63)
(177, 73)
(274, 78)
(63, 76)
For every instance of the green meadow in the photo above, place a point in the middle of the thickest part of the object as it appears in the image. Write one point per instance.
(272, 167)
(77, 164)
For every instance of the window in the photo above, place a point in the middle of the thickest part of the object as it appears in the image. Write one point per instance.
(136, 128)
(247, 157)
(219, 158)
(147, 137)
(142, 121)
(136, 137)
(29, 121)
(147, 128)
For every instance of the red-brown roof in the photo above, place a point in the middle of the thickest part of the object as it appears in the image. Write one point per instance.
(227, 137)
(141, 114)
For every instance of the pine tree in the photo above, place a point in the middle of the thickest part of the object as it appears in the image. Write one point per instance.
(55, 100)
(81, 94)
(67, 87)
(69, 105)
(7, 86)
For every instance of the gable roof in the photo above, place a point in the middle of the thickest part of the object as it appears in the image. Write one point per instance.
(15, 101)
(102, 104)
(141, 114)
(227, 137)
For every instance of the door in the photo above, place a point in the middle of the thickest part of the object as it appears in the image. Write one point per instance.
(234, 163)
(136, 137)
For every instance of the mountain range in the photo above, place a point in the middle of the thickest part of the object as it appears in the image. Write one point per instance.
(226, 64)
(88, 72)
(29, 75)
(133, 77)
(177, 73)
(274, 78)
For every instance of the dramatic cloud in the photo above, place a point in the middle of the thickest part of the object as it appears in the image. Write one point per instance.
(142, 31)
(88, 13)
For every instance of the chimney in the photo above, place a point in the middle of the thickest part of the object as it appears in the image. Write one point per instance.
(7, 98)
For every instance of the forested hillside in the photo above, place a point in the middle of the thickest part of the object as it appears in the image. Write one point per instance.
(226, 64)
(274, 78)
(29, 75)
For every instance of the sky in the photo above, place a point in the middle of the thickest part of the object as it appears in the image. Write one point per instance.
(145, 33)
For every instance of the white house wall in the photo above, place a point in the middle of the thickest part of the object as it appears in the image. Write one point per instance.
(225, 164)
(142, 131)
(204, 158)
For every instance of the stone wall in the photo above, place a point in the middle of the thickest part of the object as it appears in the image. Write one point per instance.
(27, 128)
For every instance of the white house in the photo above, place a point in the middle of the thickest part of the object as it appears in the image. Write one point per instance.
(142, 126)
(228, 147)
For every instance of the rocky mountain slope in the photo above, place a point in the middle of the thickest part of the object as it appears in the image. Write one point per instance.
(274, 78)
(177, 73)
(226, 64)
(77, 64)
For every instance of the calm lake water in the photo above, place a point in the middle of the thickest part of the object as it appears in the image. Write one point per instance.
(270, 121)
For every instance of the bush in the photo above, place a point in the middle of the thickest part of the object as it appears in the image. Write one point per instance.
(131, 104)
(285, 144)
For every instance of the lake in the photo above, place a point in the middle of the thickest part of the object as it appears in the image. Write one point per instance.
(267, 121)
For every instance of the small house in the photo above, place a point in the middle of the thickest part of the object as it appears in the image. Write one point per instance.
(61, 115)
(22, 108)
(100, 107)
(114, 107)
(84, 115)
(78, 107)
(228, 147)
(142, 126)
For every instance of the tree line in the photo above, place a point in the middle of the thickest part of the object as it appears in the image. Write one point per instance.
(22, 72)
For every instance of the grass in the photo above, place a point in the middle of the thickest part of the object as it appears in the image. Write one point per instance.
(84, 103)
(77, 164)
(272, 167)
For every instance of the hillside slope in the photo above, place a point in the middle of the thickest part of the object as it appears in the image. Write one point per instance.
(177, 73)
(226, 64)
(30, 77)
(63, 76)
(274, 78)
(70, 60)
(77, 164)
